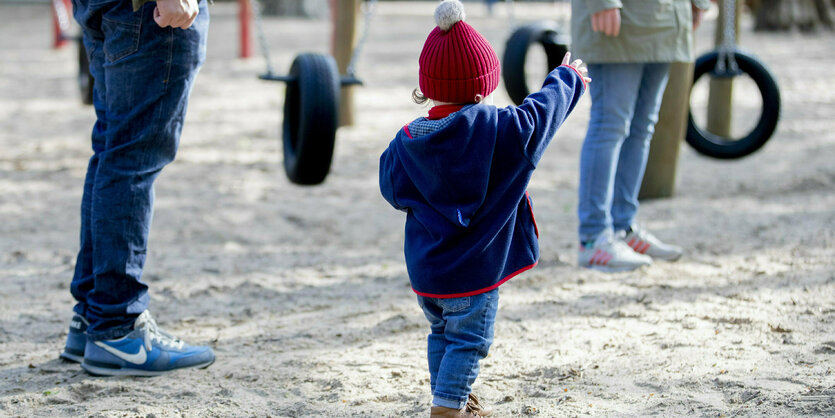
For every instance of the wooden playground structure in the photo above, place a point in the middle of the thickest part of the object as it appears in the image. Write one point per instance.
(320, 93)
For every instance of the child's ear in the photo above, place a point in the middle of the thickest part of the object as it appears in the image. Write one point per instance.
(478, 98)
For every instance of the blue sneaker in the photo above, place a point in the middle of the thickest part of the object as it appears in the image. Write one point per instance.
(76, 340)
(146, 351)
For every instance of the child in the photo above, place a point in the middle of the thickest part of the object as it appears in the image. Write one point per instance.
(460, 175)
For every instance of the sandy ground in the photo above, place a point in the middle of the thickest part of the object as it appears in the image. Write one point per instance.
(303, 292)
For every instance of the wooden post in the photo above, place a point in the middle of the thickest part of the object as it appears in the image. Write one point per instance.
(660, 177)
(345, 14)
(719, 112)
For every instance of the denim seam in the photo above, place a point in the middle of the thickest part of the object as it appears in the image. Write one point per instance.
(170, 60)
(618, 180)
(648, 71)
(584, 185)
(482, 351)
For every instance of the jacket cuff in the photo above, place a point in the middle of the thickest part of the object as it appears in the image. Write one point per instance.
(138, 3)
(598, 5)
(585, 86)
(701, 4)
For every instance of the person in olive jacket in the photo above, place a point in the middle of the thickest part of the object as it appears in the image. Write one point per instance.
(628, 45)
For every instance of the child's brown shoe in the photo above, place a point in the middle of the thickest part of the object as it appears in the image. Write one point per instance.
(474, 409)
(474, 406)
(442, 412)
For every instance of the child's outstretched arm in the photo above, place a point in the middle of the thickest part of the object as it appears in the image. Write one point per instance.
(387, 185)
(536, 120)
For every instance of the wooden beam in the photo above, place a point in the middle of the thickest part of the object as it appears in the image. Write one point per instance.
(660, 176)
(345, 14)
(720, 96)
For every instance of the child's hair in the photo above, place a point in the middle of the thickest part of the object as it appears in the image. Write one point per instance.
(418, 97)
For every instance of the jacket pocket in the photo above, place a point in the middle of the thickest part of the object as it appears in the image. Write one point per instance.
(650, 14)
(122, 28)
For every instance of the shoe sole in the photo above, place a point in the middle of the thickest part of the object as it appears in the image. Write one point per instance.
(605, 269)
(67, 356)
(106, 371)
(666, 258)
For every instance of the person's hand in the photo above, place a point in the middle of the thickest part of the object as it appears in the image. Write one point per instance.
(606, 21)
(578, 65)
(175, 13)
(698, 14)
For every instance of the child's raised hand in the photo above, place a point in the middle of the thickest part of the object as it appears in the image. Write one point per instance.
(578, 65)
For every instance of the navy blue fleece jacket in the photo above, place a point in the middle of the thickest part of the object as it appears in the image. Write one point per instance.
(469, 222)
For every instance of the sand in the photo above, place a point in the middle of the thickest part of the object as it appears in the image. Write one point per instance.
(303, 292)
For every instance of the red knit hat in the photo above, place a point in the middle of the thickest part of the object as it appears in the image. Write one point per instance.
(457, 63)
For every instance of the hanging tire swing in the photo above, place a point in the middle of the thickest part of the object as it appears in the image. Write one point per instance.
(85, 79)
(311, 105)
(728, 62)
(311, 117)
(515, 54)
(722, 147)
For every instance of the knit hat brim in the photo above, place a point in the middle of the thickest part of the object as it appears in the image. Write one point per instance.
(461, 90)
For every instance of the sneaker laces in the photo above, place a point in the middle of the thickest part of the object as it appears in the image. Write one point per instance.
(646, 236)
(146, 323)
(474, 405)
(607, 240)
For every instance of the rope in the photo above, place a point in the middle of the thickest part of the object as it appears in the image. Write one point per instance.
(726, 61)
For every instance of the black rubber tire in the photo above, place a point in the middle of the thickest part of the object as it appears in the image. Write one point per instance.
(311, 113)
(717, 146)
(516, 51)
(85, 79)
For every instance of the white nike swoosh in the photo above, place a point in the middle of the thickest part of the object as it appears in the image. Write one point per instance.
(138, 358)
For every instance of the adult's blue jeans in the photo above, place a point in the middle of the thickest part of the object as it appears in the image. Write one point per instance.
(461, 335)
(625, 99)
(143, 76)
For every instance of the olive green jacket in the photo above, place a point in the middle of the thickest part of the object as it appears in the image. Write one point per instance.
(650, 31)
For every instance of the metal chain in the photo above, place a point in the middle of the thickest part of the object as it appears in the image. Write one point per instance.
(370, 7)
(262, 38)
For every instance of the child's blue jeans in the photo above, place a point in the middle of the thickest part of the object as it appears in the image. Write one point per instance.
(143, 76)
(462, 332)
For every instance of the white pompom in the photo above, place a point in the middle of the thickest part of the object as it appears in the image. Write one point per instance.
(448, 13)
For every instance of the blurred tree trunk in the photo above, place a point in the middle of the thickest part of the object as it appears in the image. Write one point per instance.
(783, 15)
(303, 8)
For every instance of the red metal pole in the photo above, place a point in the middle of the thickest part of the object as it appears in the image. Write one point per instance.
(60, 22)
(245, 16)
